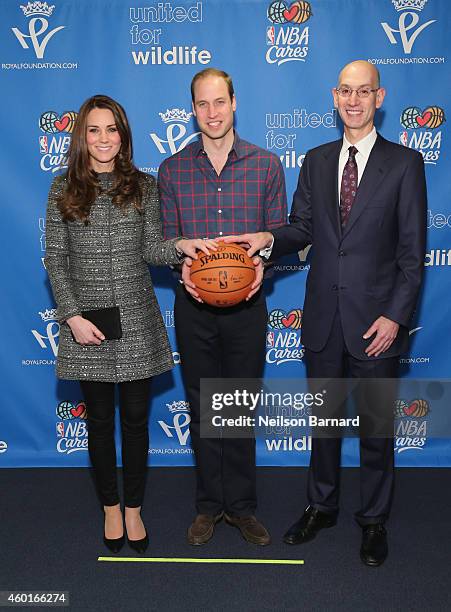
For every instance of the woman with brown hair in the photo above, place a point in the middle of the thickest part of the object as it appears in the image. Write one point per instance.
(103, 229)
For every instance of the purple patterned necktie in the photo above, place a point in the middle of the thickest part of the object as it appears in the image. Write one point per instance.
(348, 186)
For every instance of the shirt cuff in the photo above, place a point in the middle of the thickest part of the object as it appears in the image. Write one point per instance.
(265, 253)
(180, 254)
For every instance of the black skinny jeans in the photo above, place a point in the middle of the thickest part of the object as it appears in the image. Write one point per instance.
(134, 412)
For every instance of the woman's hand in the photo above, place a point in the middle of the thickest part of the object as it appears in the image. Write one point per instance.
(186, 279)
(85, 332)
(191, 246)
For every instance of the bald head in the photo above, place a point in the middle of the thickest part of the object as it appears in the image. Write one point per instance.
(367, 72)
(357, 111)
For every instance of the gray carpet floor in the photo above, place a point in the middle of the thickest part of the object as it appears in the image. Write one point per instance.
(51, 538)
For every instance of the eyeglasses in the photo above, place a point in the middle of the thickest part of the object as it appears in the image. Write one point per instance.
(362, 92)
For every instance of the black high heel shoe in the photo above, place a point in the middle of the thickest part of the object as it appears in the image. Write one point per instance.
(114, 545)
(140, 546)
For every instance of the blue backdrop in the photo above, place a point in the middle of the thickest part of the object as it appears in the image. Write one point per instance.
(284, 59)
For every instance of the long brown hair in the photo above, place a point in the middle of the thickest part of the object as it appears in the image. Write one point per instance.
(82, 184)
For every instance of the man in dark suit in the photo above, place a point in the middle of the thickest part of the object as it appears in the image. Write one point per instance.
(361, 203)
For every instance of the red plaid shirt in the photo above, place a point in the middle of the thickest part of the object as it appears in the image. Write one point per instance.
(248, 196)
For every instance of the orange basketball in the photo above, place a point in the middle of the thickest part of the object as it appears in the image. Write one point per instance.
(224, 277)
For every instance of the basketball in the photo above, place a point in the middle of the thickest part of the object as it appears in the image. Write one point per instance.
(437, 116)
(224, 277)
(304, 12)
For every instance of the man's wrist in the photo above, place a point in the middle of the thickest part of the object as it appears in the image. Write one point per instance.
(265, 253)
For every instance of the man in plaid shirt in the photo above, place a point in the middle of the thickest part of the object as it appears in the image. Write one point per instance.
(217, 186)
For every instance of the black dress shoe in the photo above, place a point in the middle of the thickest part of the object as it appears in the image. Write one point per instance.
(374, 549)
(114, 545)
(139, 546)
(308, 526)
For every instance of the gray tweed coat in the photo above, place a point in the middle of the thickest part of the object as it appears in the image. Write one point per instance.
(104, 264)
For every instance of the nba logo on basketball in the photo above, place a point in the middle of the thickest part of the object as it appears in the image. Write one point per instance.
(223, 279)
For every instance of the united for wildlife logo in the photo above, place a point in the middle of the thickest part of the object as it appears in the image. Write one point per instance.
(421, 131)
(287, 38)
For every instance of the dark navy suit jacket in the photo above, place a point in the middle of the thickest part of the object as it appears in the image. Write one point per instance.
(374, 266)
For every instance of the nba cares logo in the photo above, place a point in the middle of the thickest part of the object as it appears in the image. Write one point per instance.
(411, 427)
(69, 410)
(52, 123)
(279, 319)
(287, 41)
(298, 12)
(413, 408)
(431, 117)
(421, 131)
(38, 32)
(54, 143)
(283, 342)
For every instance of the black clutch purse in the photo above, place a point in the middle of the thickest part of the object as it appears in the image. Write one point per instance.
(107, 320)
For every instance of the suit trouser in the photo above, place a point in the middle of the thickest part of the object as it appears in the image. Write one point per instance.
(376, 453)
(133, 412)
(221, 343)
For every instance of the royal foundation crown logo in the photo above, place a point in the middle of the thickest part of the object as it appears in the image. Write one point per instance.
(407, 23)
(179, 429)
(176, 114)
(402, 5)
(37, 8)
(38, 27)
(177, 137)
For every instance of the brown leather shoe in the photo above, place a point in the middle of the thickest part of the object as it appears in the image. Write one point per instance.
(202, 529)
(251, 530)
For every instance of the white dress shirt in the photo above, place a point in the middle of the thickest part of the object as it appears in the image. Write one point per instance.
(363, 147)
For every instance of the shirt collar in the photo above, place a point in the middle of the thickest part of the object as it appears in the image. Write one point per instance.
(363, 146)
(236, 147)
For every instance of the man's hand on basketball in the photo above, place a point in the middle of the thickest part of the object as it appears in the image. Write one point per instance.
(258, 263)
(386, 331)
(253, 242)
(190, 246)
(186, 279)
